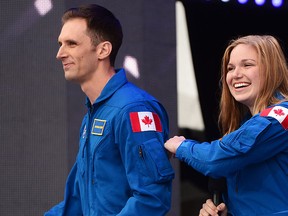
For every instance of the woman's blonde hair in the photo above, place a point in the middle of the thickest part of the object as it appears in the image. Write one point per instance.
(273, 78)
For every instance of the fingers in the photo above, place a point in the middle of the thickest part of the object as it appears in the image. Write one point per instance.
(208, 208)
(180, 138)
(173, 143)
(223, 209)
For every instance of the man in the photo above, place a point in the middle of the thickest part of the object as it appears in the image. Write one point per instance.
(122, 167)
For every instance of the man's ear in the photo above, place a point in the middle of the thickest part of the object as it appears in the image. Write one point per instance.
(104, 50)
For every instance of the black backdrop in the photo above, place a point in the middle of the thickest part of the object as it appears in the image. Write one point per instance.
(211, 25)
(33, 126)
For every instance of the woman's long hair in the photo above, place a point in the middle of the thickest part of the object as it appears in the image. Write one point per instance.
(273, 80)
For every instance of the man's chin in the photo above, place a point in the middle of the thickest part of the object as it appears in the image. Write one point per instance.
(70, 78)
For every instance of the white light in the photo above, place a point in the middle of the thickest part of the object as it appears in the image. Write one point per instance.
(260, 2)
(131, 66)
(277, 3)
(43, 6)
(242, 1)
(225, 0)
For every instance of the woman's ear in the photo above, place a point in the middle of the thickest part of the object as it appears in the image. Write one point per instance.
(104, 49)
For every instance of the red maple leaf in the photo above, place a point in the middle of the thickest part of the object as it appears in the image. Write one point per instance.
(279, 112)
(146, 120)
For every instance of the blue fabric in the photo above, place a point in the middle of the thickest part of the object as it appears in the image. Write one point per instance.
(254, 160)
(118, 171)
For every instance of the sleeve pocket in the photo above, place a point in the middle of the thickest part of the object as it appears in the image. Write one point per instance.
(156, 161)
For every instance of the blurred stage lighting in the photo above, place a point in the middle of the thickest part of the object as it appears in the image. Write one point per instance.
(242, 1)
(131, 66)
(260, 2)
(32, 14)
(277, 3)
(43, 6)
(270, 3)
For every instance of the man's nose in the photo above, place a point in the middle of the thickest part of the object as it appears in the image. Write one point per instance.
(61, 53)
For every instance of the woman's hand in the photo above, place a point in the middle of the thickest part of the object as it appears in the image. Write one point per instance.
(209, 209)
(173, 143)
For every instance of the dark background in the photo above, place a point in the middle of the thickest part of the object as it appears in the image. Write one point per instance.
(40, 113)
(211, 25)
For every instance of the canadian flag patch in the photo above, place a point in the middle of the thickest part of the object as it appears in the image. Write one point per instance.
(279, 113)
(145, 121)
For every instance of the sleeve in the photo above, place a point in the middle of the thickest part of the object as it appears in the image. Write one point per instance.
(260, 138)
(71, 204)
(146, 161)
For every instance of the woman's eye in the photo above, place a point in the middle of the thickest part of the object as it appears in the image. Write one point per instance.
(229, 68)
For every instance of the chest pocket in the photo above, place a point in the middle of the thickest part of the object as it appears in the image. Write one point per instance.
(100, 136)
(90, 144)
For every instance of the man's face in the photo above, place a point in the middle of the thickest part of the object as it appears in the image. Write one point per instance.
(78, 55)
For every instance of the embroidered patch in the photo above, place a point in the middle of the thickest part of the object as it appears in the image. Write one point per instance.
(84, 132)
(145, 121)
(98, 127)
(279, 113)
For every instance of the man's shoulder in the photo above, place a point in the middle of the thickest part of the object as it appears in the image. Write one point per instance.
(130, 93)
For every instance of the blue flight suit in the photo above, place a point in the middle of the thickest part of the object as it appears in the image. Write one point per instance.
(120, 170)
(254, 160)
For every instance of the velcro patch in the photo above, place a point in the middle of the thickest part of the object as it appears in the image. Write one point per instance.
(145, 121)
(279, 113)
(98, 127)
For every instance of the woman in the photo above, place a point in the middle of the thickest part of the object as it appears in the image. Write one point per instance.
(253, 153)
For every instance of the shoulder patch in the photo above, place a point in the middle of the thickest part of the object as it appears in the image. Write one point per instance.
(145, 121)
(279, 113)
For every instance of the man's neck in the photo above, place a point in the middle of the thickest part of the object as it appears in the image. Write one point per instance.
(93, 87)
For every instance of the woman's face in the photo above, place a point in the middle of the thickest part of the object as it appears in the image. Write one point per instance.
(243, 75)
